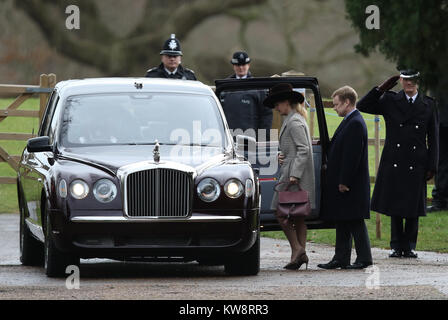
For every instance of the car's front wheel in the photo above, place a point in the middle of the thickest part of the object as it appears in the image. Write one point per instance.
(247, 263)
(56, 261)
(31, 250)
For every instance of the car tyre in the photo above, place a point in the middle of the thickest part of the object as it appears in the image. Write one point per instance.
(56, 261)
(31, 250)
(247, 263)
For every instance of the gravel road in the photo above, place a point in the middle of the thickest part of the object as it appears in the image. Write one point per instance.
(391, 279)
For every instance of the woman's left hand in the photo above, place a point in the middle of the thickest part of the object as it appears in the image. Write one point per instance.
(293, 180)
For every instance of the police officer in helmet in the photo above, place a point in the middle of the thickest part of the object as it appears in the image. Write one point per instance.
(171, 67)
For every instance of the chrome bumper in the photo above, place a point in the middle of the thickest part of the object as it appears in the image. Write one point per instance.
(193, 219)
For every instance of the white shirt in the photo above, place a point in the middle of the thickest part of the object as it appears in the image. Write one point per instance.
(413, 97)
(243, 77)
(169, 72)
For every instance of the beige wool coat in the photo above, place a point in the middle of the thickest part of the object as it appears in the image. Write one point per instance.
(295, 144)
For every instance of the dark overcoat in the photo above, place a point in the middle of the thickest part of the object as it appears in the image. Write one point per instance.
(410, 151)
(181, 73)
(348, 165)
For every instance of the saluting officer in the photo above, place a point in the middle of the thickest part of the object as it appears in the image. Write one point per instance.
(245, 110)
(409, 156)
(171, 67)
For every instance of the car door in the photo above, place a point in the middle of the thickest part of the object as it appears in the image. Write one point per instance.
(263, 154)
(33, 168)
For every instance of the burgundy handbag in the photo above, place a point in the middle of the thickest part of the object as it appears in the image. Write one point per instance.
(293, 204)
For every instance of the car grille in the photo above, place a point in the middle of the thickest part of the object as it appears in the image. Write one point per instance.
(159, 193)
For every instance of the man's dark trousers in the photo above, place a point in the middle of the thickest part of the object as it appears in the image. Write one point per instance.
(345, 232)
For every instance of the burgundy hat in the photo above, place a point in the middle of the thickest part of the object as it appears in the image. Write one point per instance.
(282, 92)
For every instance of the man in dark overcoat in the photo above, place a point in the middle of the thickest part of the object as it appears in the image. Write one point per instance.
(346, 194)
(409, 157)
(171, 67)
(440, 190)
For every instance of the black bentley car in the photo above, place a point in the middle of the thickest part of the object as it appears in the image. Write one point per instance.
(137, 169)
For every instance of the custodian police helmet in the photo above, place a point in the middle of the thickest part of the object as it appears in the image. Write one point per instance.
(171, 47)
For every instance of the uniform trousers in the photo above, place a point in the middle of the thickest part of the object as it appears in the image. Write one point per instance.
(346, 231)
(403, 239)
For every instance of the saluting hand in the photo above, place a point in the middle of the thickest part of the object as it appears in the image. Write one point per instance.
(343, 188)
(389, 84)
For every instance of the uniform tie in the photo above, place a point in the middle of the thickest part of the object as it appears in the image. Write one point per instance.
(410, 101)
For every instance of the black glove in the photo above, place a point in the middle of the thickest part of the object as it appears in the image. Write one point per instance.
(389, 84)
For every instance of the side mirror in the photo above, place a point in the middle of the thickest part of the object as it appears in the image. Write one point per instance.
(39, 144)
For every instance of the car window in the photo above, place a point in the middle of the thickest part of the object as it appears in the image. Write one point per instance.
(107, 119)
(53, 121)
(49, 113)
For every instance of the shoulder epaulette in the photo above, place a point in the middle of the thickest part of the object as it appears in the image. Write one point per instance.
(152, 69)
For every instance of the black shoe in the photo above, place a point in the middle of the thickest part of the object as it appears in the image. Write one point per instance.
(359, 265)
(333, 264)
(436, 208)
(410, 254)
(395, 253)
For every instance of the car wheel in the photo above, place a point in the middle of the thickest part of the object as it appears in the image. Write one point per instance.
(56, 261)
(246, 264)
(31, 250)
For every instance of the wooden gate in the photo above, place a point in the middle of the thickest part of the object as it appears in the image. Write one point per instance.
(45, 87)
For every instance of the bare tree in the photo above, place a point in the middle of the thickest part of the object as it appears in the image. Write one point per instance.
(97, 46)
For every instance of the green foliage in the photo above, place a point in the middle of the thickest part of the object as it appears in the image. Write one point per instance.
(412, 33)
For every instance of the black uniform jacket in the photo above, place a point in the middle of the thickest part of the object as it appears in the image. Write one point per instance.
(410, 151)
(245, 110)
(347, 165)
(181, 73)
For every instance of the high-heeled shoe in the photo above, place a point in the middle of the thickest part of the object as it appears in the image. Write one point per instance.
(297, 263)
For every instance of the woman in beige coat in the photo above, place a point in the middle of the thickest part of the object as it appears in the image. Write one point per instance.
(296, 160)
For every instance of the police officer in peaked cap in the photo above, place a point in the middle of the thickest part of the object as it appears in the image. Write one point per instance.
(241, 65)
(245, 110)
(409, 157)
(171, 67)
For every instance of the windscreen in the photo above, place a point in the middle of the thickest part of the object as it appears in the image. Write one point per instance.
(108, 119)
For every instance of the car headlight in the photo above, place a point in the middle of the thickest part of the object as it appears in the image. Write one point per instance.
(104, 190)
(208, 190)
(233, 188)
(79, 189)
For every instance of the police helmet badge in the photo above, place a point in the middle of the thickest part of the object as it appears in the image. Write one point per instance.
(171, 47)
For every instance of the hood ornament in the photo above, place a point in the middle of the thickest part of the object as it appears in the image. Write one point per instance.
(156, 152)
